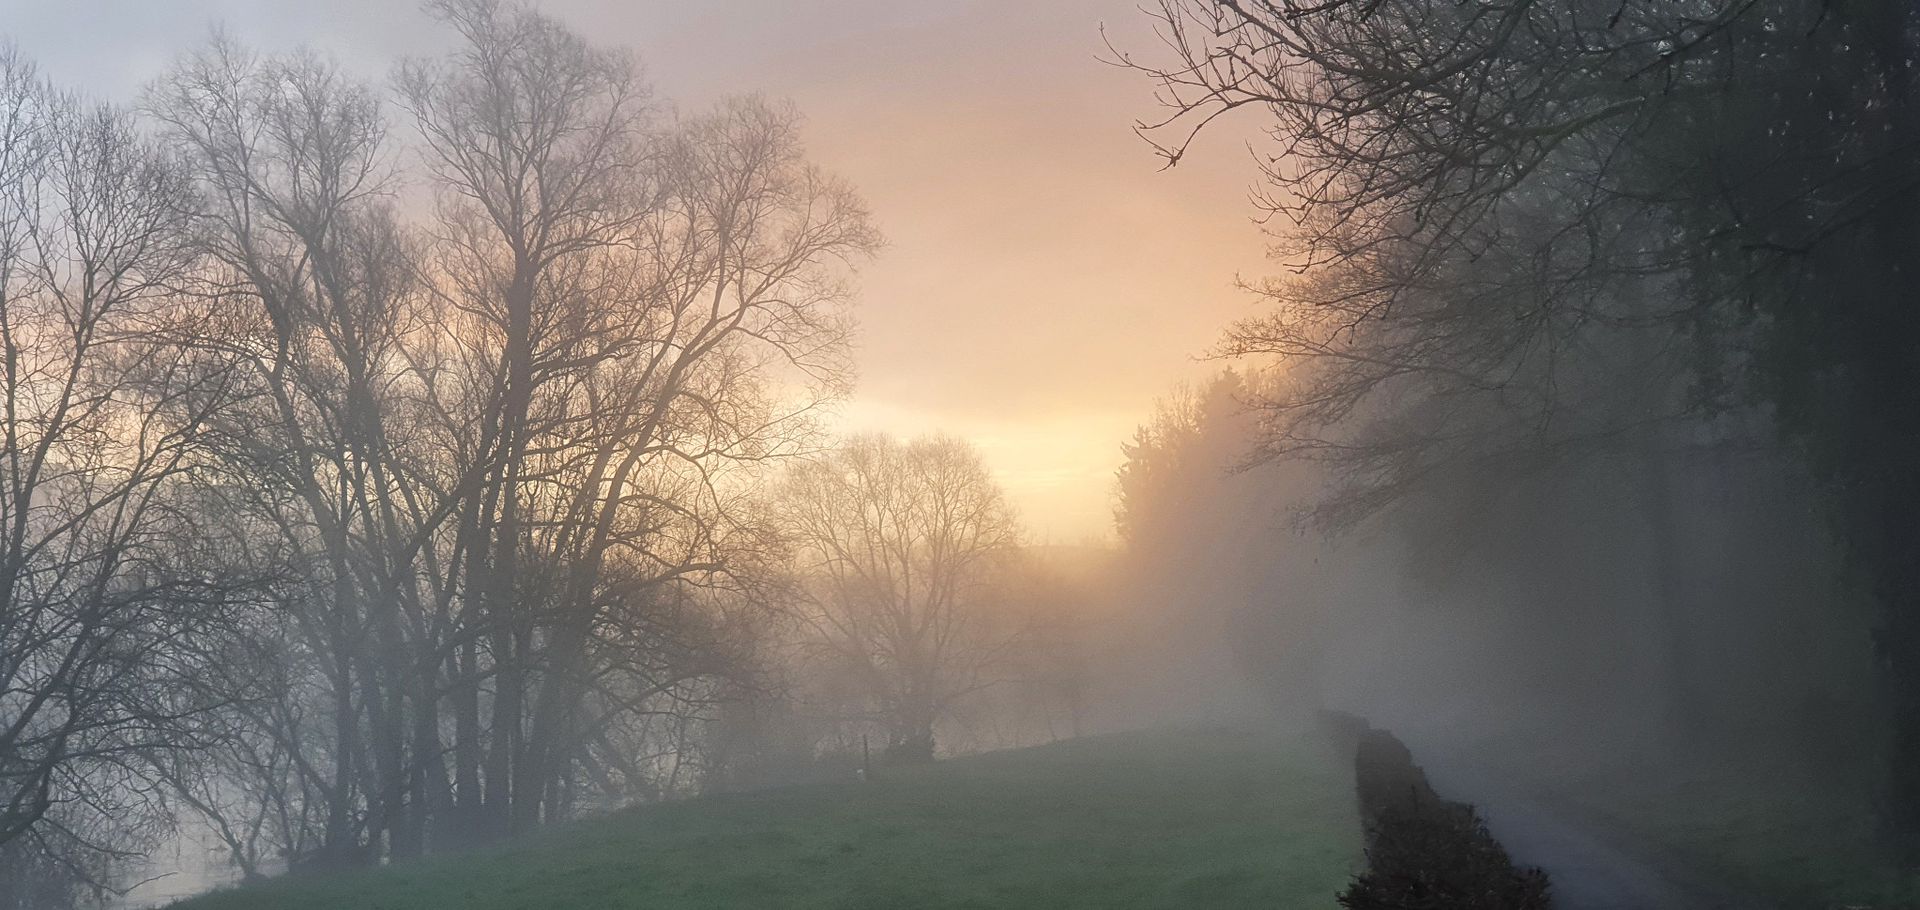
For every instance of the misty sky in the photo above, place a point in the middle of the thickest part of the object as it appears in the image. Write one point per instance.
(1043, 282)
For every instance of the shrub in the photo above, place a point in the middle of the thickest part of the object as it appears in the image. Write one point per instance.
(1425, 852)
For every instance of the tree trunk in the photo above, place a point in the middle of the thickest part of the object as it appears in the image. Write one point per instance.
(509, 699)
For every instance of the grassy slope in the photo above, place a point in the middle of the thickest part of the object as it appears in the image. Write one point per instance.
(1211, 819)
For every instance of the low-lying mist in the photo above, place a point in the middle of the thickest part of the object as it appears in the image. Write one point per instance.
(1611, 628)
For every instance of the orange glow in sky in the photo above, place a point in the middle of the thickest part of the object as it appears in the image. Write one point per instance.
(1043, 281)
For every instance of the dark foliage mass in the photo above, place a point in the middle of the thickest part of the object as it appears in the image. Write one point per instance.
(1425, 852)
(1534, 243)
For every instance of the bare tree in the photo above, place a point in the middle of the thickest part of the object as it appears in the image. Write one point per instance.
(632, 286)
(900, 543)
(534, 140)
(443, 532)
(103, 595)
(310, 300)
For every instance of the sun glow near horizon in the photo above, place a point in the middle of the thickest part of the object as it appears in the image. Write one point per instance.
(1057, 470)
(1043, 281)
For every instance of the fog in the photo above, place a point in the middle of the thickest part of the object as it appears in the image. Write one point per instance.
(1553, 645)
(1382, 453)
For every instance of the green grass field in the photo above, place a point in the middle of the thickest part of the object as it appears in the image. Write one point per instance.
(1186, 820)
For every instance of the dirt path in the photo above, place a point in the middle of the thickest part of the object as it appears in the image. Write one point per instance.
(1589, 870)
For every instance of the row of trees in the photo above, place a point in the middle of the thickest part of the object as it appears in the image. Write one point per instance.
(364, 496)
(1654, 234)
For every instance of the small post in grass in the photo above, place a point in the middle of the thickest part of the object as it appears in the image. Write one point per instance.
(866, 759)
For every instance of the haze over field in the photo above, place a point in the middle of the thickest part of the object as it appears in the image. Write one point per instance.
(1484, 437)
